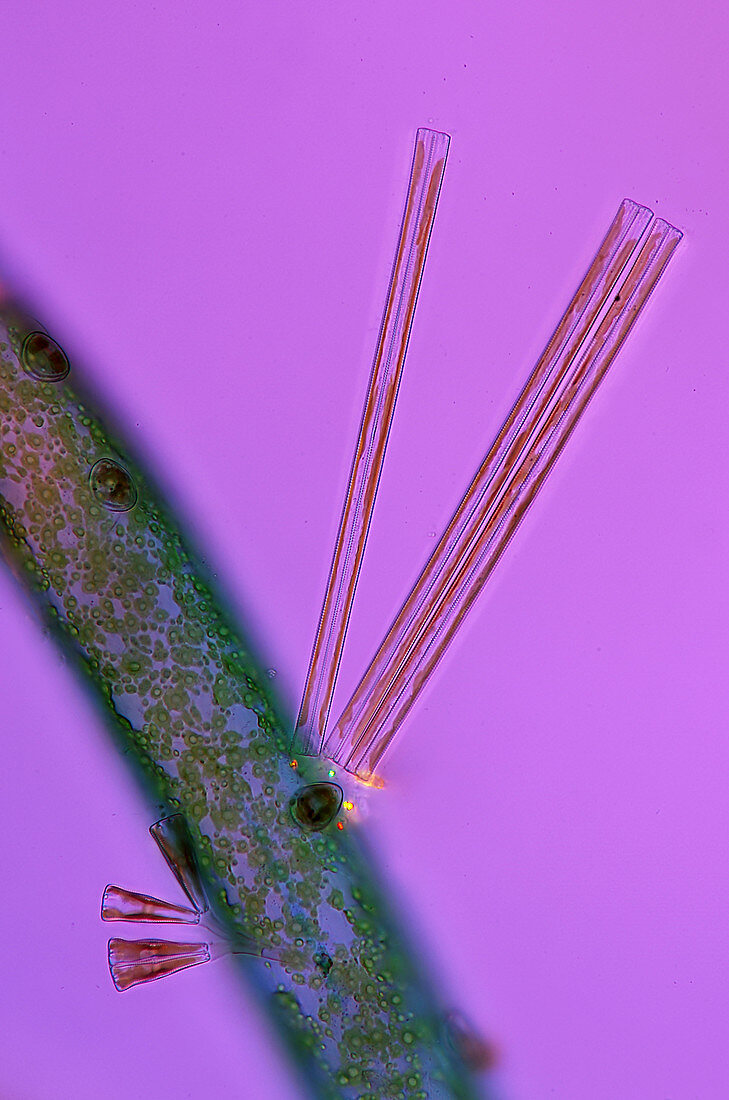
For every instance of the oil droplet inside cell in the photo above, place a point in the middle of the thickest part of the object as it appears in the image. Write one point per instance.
(317, 805)
(112, 485)
(43, 359)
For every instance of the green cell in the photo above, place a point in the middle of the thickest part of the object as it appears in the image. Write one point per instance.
(197, 718)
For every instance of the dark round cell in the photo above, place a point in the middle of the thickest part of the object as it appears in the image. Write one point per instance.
(43, 359)
(316, 805)
(112, 485)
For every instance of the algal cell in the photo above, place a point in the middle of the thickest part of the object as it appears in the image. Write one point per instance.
(112, 485)
(43, 359)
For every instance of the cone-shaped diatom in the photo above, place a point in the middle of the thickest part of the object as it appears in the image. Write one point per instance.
(119, 904)
(132, 962)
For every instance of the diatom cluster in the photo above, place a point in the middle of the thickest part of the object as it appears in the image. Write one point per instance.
(276, 841)
(265, 843)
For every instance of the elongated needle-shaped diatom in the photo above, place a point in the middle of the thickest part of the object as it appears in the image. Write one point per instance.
(431, 150)
(625, 269)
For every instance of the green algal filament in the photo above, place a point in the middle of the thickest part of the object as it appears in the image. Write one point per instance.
(85, 529)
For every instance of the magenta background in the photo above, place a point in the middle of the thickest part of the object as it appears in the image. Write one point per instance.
(204, 200)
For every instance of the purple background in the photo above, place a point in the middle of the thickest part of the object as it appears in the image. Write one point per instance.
(204, 200)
